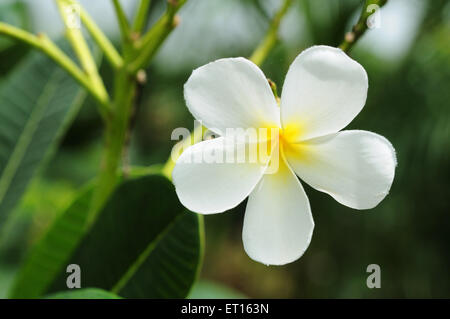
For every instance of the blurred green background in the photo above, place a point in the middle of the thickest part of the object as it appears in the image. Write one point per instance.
(408, 62)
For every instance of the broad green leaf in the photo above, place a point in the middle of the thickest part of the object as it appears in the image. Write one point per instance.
(14, 13)
(143, 244)
(11, 52)
(87, 293)
(37, 104)
(7, 273)
(49, 255)
(212, 290)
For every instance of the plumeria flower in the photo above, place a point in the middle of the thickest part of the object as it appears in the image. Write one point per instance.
(323, 91)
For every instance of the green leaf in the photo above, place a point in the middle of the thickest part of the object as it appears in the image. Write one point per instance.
(14, 13)
(143, 244)
(11, 52)
(37, 104)
(213, 290)
(50, 254)
(7, 273)
(87, 293)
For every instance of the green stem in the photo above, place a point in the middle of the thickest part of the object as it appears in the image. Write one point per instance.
(361, 26)
(195, 137)
(125, 85)
(154, 38)
(115, 136)
(123, 26)
(273, 87)
(97, 34)
(82, 51)
(141, 16)
(271, 38)
(45, 45)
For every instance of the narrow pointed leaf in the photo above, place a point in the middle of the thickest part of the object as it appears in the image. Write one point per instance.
(143, 244)
(87, 293)
(52, 251)
(38, 101)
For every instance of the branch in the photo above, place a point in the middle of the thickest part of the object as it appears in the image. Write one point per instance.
(83, 53)
(141, 16)
(361, 26)
(45, 45)
(123, 24)
(154, 38)
(195, 137)
(271, 38)
(97, 34)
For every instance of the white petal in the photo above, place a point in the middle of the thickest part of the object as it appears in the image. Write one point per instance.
(231, 93)
(207, 182)
(278, 224)
(355, 167)
(323, 91)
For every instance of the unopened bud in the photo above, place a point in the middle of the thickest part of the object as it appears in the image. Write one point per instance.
(141, 77)
(350, 37)
(176, 21)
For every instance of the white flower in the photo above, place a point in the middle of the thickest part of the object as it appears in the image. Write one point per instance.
(323, 91)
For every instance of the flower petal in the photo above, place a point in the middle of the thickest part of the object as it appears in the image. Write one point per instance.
(355, 167)
(278, 224)
(231, 93)
(323, 91)
(207, 181)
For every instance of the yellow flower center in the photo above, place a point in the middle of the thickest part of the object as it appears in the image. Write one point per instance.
(290, 140)
(287, 142)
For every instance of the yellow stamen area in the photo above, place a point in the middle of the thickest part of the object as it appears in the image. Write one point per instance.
(286, 142)
(290, 144)
(291, 133)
